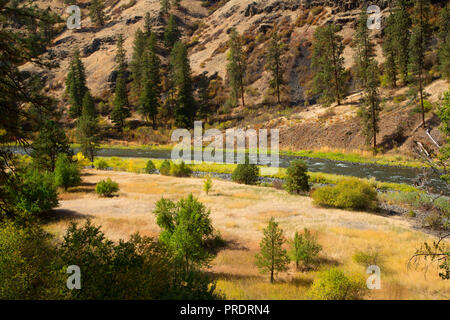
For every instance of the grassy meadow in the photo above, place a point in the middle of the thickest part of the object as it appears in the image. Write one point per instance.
(239, 213)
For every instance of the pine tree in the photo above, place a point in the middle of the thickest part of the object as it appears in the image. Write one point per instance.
(328, 64)
(165, 7)
(17, 93)
(274, 65)
(147, 26)
(76, 84)
(89, 105)
(420, 38)
(176, 3)
(401, 34)
(185, 108)
(52, 141)
(150, 99)
(87, 129)
(96, 12)
(305, 248)
(120, 110)
(272, 258)
(236, 68)
(371, 106)
(389, 51)
(364, 47)
(139, 47)
(171, 34)
(204, 99)
(444, 42)
(120, 58)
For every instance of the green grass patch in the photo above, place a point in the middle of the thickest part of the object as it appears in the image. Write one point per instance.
(138, 165)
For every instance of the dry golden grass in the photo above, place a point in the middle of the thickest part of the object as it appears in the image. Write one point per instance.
(240, 213)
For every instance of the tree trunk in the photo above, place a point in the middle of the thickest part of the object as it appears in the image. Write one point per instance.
(374, 128)
(421, 98)
(336, 78)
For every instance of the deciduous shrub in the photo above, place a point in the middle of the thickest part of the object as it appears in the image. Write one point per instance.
(367, 258)
(297, 179)
(33, 192)
(186, 226)
(138, 268)
(150, 167)
(27, 263)
(333, 284)
(101, 164)
(106, 188)
(164, 169)
(67, 173)
(246, 173)
(180, 170)
(347, 194)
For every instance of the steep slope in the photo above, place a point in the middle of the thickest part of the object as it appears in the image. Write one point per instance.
(305, 125)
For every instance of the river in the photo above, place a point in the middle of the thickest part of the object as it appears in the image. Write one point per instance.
(407, 175)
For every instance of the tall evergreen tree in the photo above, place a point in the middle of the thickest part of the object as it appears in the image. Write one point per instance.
(120, 110)
(172, 33)
(236, 67)
(139, 47)
(120, 58)
(96, 12)
(420, 38)
(165, 7)
(389, 51)
(272, 258)
(401, 33)
(364, 47)
(89, 105)
(150, 98)
(371, 106)
(185, 109)
(274, 65)
(147, 25)
(328, 64)
(204, 98)
(87, 129)
(17, 93)
(52, 141)
(76, 84)
(444, 42)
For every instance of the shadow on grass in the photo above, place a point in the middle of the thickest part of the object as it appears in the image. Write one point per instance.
(84, 187)
(58, 215)
(216, 245)
(298, 282)
(325, 261)
(231, 277)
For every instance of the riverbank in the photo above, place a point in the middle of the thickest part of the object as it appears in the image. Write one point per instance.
(357, 156)
(137, 165)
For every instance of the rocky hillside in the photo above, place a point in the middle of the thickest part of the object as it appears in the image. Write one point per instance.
(206, 28)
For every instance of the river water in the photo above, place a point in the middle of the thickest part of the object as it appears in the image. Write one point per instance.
(405, 175)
